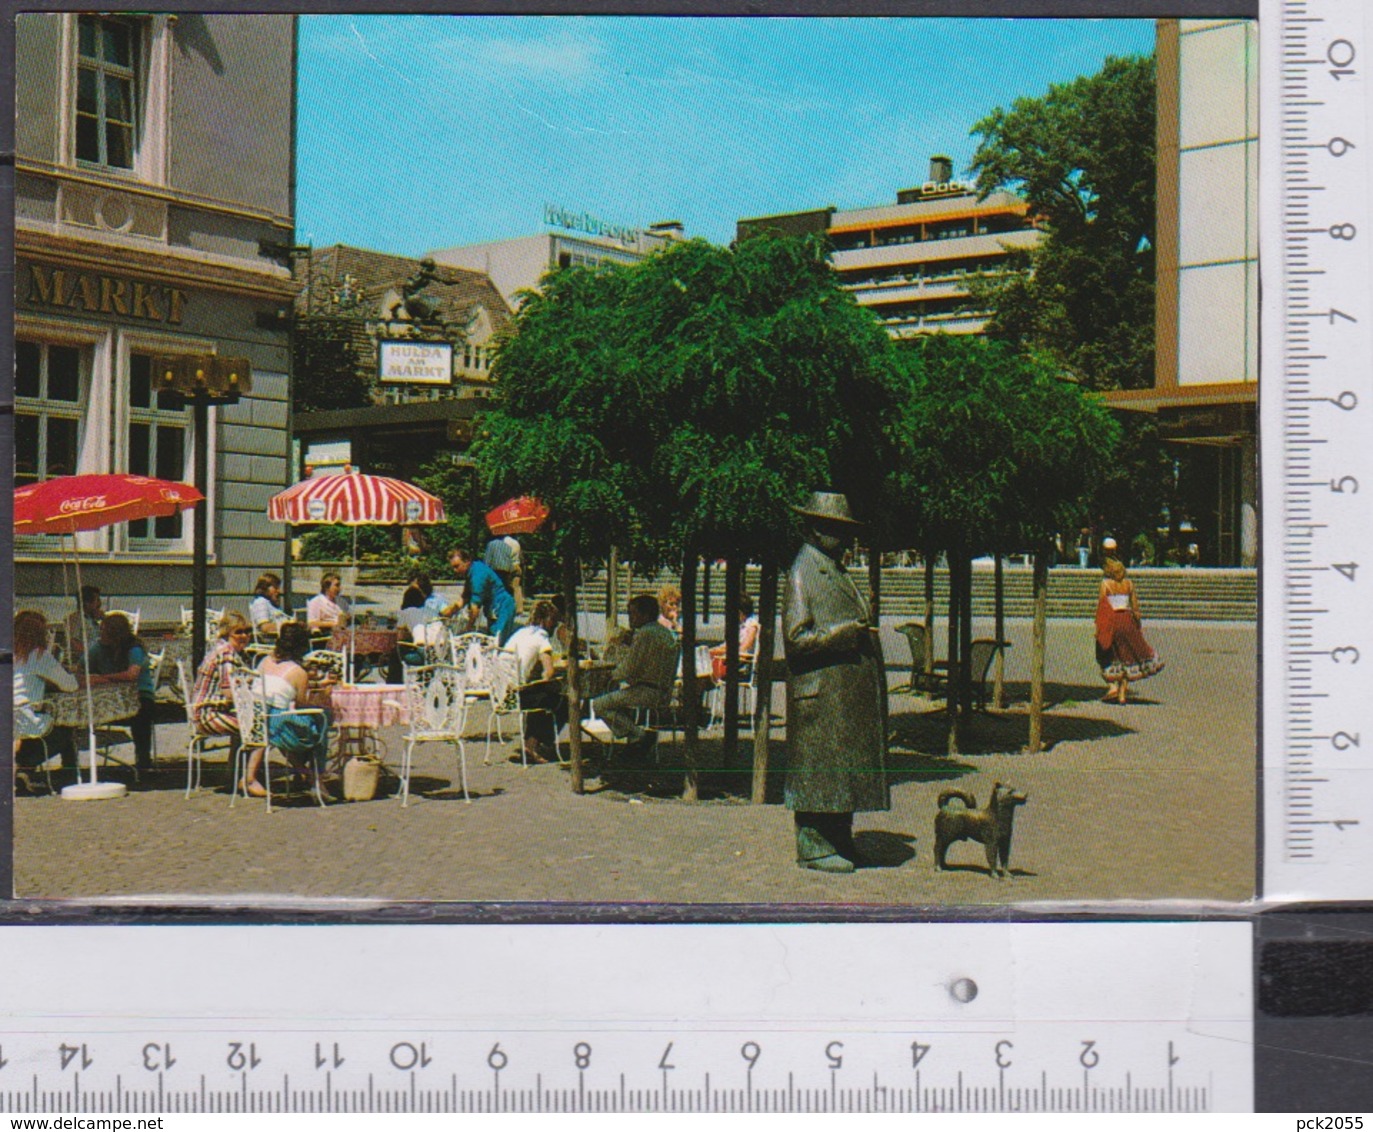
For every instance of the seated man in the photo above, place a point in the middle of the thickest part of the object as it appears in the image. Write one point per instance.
(540, 693)
(645, 676)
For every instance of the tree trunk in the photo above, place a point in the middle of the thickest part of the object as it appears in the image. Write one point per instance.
(762, 676)
(874, 587)
(691, 694)
(574, 675)
(965, 638)
(705, 592)
(930, 559)
(998, 687)
(734, 570)
(1041, 605)
(612, 592)
(955, 639)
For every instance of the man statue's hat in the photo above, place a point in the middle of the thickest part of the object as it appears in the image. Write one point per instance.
(829, 506)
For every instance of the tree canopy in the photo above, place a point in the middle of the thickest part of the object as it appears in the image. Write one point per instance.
(1083, 155)
(997, 452)
(689, 399)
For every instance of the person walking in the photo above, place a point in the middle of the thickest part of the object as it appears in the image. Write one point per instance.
(1122, 652)
(836, 694)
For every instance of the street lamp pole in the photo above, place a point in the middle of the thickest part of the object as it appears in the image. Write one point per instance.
(201, 531)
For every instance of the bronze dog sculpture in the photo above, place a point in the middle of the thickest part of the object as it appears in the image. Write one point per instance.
(990, 825)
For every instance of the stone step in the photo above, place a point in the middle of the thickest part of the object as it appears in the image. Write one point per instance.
(1165, 594)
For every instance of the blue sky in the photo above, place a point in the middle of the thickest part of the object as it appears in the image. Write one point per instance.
(417, 132)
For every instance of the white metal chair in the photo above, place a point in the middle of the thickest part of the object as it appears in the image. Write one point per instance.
(195, 753)
(33, 720)
(715, 695)
(212, 618)
(251, 708)
(437, 705)
(505, 701)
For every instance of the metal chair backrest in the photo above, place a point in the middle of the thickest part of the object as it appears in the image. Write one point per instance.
(505, 683)
(914, 633)
(155, 662)
(183, 681)
(980, 656)
(435, 700)
(473, 654)
(433, 639)
(250, 708)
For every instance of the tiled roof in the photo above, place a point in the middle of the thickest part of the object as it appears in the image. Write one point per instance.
(457, 290)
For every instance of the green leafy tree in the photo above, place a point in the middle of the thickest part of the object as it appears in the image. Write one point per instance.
(997, 453)
(676, 408)
(326, 366)
(1083, 157)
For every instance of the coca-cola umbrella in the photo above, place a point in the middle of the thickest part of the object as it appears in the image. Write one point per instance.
(522, 515)
(356, 500)
(64, 505)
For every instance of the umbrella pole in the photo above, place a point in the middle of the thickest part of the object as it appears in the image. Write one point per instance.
(353, 620)
(86, 662)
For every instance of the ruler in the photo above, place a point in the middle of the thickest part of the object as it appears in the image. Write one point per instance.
(705, 1018)
(1317, 424)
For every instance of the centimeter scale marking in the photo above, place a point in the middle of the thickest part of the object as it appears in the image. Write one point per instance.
(1319, 789)
(1084, 1088)
(875, 1097)
(937, 1017)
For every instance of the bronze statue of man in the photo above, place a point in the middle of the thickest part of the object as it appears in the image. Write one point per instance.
(836, 694)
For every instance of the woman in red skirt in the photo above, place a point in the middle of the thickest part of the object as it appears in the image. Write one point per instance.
(1121, 649)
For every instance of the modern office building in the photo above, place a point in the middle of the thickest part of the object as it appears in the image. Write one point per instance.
(153, 170)
(1205, 390)
(416, 336)
(909, 262)
(575, 239)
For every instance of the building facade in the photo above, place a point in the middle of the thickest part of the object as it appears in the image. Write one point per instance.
(416, 339)
(910, 262)
(1205, 392)
(578, 240)
(153, 170)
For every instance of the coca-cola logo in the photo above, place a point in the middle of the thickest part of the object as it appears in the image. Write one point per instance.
(316, 509)
(75, 506)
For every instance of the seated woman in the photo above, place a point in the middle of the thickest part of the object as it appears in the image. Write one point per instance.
(418, 626)
(119, 657)
(748, 641)
(264, 611)
(36, 671)
(212, 701)
(670, 602)
(540, 693)
(327, 610)
(284, 685)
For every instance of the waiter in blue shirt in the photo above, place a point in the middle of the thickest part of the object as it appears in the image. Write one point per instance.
(484, 592)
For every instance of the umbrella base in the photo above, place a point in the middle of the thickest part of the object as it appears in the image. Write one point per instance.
(94, 791)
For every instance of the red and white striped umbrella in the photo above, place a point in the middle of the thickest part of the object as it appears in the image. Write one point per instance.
(356, 500)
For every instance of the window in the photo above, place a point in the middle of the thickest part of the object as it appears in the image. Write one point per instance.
(85, 404)
(107, 91)
(157, 444)
(49, 406)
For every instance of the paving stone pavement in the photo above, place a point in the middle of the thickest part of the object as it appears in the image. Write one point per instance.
(1151, 801)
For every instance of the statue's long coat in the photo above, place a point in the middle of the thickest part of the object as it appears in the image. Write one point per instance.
(836, 692)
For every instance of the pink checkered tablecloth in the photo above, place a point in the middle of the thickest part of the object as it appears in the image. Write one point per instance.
(364, 705)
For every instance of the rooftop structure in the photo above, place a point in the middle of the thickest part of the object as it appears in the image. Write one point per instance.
(910, 261)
